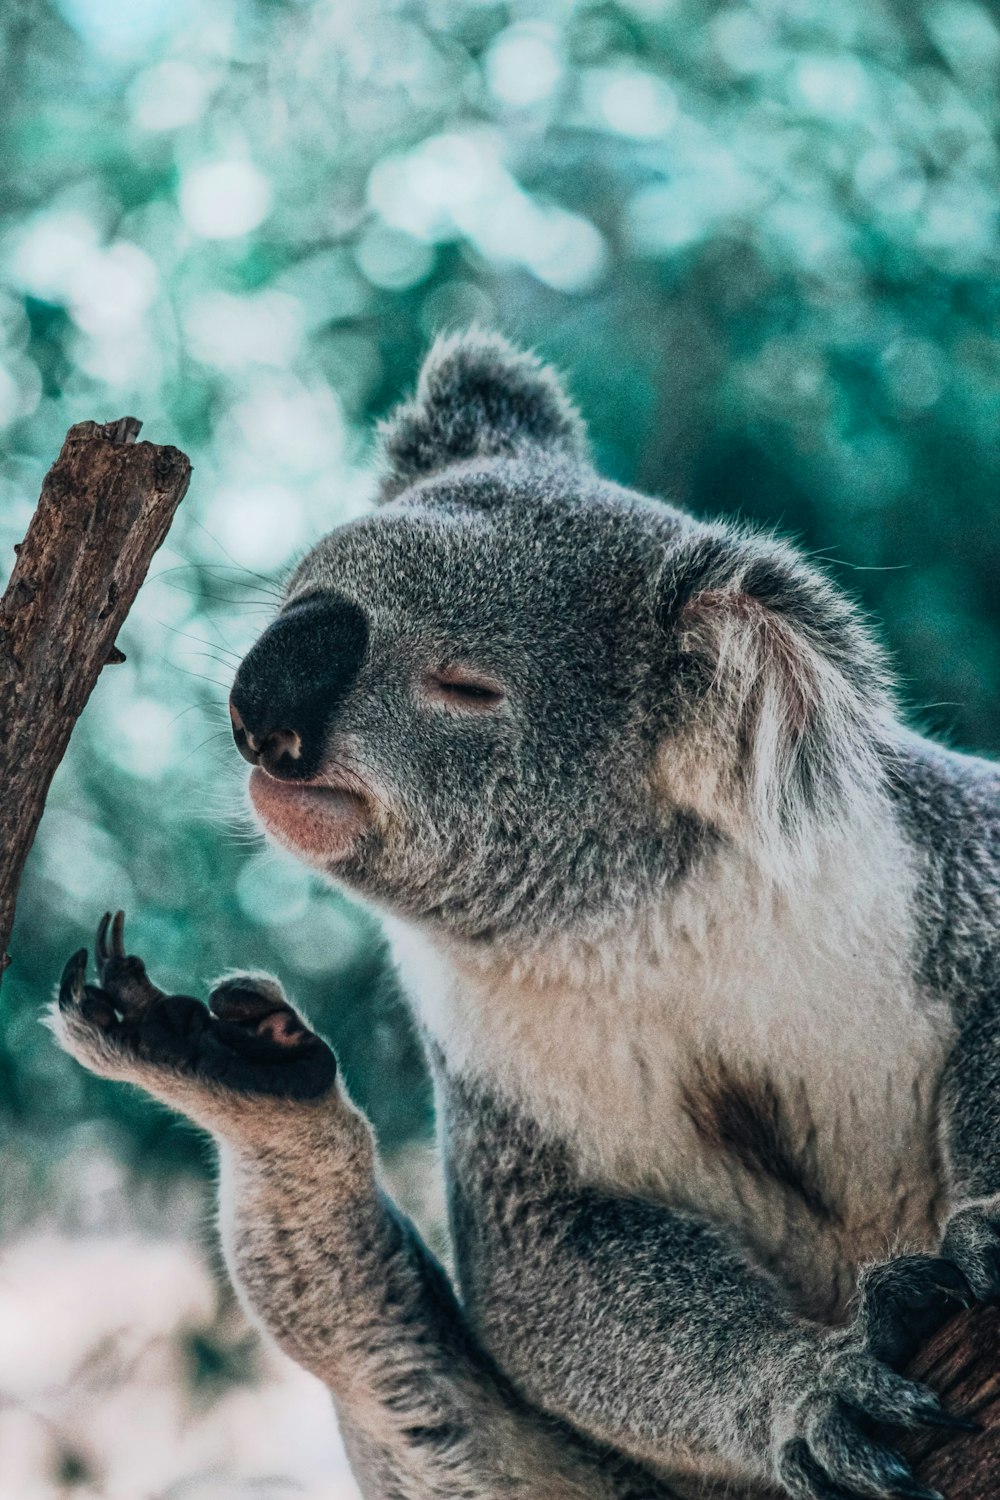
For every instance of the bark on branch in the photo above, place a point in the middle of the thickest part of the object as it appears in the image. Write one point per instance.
(962, 1363)
(106, 505)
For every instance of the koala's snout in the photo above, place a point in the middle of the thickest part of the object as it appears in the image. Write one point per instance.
(290, 686)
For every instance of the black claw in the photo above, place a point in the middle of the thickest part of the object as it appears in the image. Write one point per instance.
(253, 1043)
(903, 1484)
(105, 951)
(101, 941)
(894, 1473)
(71, 985)
(995, 1290)
(947, 1419)
(949, 1281)
(799, 1470)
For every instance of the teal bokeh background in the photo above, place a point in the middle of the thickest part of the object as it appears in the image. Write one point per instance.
(760, 238)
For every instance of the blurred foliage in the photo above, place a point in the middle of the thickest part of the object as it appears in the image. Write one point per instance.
(761, 237)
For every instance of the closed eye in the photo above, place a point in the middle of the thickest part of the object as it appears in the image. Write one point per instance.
(462, 689)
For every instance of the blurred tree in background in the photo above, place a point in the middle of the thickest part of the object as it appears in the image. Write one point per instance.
(760, 237)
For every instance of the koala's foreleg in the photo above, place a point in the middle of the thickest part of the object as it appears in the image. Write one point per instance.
(971, 1114)
(906, 1299)
(655, 1332)
(322, 1259)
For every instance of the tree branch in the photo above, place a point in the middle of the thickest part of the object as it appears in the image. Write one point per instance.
(106, 505)
(962, 1363)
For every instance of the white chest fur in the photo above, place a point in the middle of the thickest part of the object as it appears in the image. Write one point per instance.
(606, 1041)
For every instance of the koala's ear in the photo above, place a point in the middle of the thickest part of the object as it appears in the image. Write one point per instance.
(780, 697)
(477, 396)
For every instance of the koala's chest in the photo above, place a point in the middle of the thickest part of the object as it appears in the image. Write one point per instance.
(790, 1098)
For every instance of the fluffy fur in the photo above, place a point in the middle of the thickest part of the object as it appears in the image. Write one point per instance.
(704, 946)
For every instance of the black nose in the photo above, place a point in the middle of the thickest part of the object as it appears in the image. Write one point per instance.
(291, 684)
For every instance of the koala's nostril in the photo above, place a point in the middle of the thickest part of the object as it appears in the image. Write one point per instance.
(245, 742)
(279, 748)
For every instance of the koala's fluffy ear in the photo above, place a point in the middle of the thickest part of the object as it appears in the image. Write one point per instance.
(779, 695)
(477, 396)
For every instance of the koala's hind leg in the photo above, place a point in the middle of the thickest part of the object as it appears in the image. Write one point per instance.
(323, 1260)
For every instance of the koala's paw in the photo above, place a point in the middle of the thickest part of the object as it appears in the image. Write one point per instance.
(902, 1302)
(828, 1450)
(248, 1039)
(972, 1241)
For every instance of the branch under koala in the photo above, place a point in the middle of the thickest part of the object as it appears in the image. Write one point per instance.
(105, 507)
(962, 1363)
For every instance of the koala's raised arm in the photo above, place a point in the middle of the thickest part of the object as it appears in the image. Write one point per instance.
(322, 1259)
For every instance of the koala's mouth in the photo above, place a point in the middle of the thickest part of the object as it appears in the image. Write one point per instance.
(321, 822)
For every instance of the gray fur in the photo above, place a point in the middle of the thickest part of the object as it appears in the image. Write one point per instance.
(322, 1259)
(703, 942)
(477, 398)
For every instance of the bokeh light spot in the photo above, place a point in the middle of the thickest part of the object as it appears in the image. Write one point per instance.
(392, 259)
(913, 372)
(260, 525)
(45, 253)
(222, 199)
(146, 737)
(230, 332)
(272, 890)
(523, 65)
(632, 102)
(169, 95)
(111, 289)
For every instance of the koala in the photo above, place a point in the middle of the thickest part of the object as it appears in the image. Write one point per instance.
(703, 944)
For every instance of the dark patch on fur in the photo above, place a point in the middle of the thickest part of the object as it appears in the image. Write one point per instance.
(748, 1118)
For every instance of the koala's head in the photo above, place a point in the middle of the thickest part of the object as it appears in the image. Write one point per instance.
(517, 697)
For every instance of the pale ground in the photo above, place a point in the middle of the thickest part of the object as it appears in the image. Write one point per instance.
(94, 1394)
(103, 1307)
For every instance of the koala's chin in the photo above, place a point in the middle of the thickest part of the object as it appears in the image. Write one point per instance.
(318, 822)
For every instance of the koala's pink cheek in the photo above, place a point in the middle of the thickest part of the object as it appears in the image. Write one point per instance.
(316, 821)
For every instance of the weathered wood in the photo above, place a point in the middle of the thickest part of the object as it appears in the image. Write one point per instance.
(106, 505)
(962, 1363)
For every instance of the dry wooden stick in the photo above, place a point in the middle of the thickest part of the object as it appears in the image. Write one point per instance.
(106, 505)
